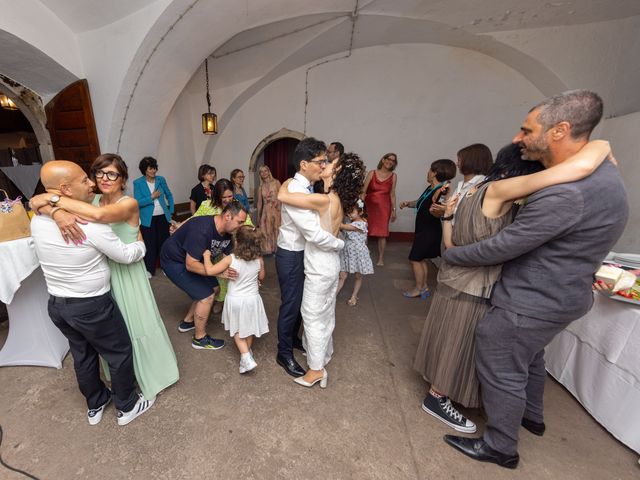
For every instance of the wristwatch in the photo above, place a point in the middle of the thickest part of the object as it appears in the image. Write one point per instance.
(446, 219)
(54, 200)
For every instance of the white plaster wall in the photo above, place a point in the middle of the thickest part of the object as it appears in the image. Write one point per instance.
(422, 101)
(599, 56)
(182, 144)
(107, 54)
(39, 26)
(622, 132)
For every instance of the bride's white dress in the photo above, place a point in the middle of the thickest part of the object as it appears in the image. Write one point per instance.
(321, 270)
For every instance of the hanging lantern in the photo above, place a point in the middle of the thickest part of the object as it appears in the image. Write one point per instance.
(209, 123)
(209, 120)
(7, 103)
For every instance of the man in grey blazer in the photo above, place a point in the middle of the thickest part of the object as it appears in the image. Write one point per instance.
(549, 255)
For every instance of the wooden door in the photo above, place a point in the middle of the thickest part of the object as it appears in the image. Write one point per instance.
(71, 125)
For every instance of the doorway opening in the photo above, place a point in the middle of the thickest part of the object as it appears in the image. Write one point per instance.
(20, 159)
(276, 152)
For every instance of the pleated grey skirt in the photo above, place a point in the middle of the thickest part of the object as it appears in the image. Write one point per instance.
(446, 353)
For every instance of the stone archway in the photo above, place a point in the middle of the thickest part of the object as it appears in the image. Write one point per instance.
(31, 107)
(282, 133)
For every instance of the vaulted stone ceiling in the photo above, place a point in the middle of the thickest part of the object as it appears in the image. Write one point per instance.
(476, 17)
(257, 40)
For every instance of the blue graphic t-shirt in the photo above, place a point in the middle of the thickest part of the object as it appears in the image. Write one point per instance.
(194, 237)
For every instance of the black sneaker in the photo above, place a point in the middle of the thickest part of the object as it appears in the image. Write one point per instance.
(207, 343)
(185, 326)
(443, 410)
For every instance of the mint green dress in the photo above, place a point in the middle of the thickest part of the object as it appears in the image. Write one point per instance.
(154, 360)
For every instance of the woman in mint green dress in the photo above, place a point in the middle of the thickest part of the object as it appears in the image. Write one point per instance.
(154, 360)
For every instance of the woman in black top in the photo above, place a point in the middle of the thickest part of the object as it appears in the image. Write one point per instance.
(202, 191)
(426, 243)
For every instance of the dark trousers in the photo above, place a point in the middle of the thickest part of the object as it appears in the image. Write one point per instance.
(154, 236)
(94, 326)
(510, 367)
(290, 268)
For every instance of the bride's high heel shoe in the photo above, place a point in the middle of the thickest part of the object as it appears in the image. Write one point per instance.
(322, 380)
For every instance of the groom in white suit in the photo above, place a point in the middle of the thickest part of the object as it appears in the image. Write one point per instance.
(298, 227)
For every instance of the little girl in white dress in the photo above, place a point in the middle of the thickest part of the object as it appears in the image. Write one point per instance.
(355, 257)
(243, 315)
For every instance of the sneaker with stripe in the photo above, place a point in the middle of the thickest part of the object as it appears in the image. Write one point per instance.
(206, 343)
(94, 415)
(141, 406)
(442, 409)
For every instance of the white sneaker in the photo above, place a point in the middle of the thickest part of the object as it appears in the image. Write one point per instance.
(247, 364)
(94, 415)
(141, 406)
(149, 274)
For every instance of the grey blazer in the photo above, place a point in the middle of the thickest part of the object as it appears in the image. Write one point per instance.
(554, 246)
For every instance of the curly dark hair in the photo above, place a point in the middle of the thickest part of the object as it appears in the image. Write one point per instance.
(147, 162)
(249, 243)
(348, 180)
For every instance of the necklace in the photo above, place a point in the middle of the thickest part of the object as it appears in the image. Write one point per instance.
(426, 194)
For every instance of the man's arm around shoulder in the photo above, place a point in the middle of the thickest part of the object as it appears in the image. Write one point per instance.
(106, 241)
(547, 214)
(307, 224)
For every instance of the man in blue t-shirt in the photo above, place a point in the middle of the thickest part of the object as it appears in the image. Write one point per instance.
(181, 259)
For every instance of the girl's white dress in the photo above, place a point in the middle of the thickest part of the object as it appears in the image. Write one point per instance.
(243, 311)
(355, 257)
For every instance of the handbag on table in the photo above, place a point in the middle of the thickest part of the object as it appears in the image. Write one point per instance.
(14, 221)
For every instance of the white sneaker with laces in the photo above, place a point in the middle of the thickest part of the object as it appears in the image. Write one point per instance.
(247, 363)
(94, 415)
(141, 406)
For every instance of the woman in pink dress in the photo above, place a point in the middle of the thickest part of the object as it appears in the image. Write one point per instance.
(268, 209)
(380, 200)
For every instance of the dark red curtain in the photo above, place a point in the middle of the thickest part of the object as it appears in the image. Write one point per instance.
(278, 156)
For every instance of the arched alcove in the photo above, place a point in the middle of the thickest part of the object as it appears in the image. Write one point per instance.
(282, 133)
(31, 107)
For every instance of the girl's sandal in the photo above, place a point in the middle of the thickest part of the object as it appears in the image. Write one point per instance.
(352, 302)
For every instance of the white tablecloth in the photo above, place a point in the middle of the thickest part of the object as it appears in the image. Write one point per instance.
(597, 358)
(33, 339)
(17, 260)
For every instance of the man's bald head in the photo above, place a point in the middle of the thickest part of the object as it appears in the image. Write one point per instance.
(58, 172)
(68, 179)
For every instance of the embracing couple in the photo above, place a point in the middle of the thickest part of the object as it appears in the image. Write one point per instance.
(307, 258)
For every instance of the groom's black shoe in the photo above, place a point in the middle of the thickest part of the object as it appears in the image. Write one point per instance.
(290, 366)
(478, 449)
(537, 428)
(297, 344)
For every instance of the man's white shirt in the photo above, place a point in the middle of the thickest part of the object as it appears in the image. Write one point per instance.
(299, 226)
(79, 271)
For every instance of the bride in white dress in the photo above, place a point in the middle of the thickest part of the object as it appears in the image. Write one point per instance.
(343, 180)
